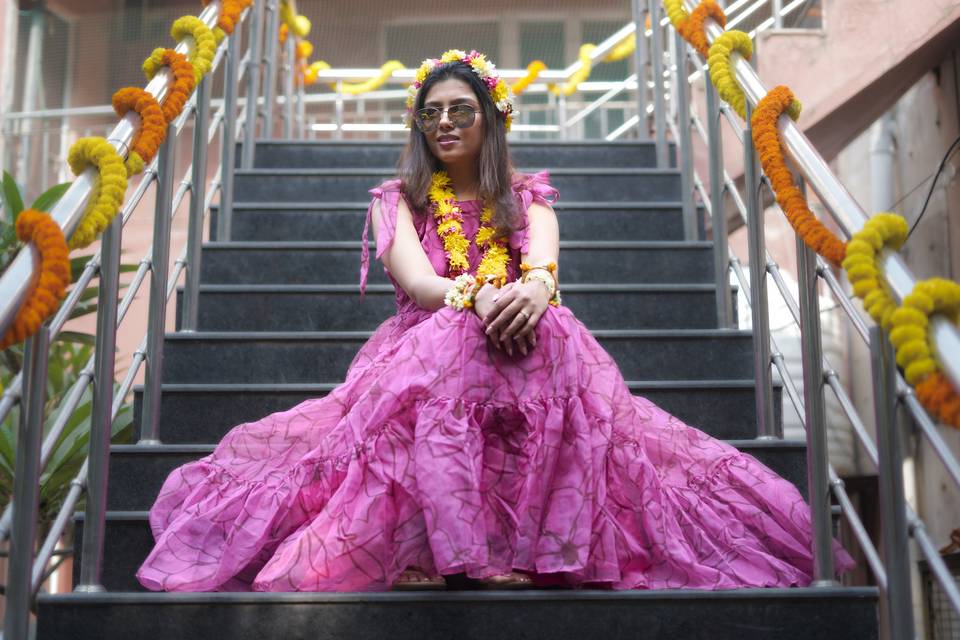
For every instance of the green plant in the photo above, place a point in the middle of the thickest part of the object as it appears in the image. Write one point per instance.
(13, 205)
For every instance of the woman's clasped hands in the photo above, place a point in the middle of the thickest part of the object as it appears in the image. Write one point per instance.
(511, 313)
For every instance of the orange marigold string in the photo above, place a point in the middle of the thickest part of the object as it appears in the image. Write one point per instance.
(692, 30)
(183, 79)
(939, 397)
(50, 287)
(153, 126)
(230, 11)
(766, 138)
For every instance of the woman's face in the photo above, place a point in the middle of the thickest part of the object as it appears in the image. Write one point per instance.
(449, 144)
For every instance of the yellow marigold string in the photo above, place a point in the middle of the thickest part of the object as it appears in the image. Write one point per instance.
(623, 49)
(153, 126)
(581, 74)
(351, 88)
(910, 333)
(40, 229)
(862, 264)
(310, 77)
(108, 192)
(721, 71)
(675, 11)
(206, 45)
(692, 28)
(303, 50)
(230, 11)
(449, 219)
(298, 23)
(767, 140)
(534, 69)
(183, 79)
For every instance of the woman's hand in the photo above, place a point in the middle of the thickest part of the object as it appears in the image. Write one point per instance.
(512, 314)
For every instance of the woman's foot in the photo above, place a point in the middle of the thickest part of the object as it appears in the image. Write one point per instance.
(512, 580)
(414, 580)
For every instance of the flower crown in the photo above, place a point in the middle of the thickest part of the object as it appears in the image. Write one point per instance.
(499, 90)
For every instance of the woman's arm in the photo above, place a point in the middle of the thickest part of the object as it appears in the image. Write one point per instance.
(408, 263)
(544, 236)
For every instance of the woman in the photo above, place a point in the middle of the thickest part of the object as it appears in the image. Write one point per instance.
(481, 432)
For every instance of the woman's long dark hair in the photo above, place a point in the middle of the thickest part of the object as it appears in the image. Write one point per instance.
(417, 163)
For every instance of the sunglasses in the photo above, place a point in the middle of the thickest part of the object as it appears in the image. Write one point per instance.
(462, 116)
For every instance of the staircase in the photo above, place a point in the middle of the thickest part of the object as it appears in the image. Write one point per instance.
(280, 320)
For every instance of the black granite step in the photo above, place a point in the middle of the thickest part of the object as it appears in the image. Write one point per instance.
(626, 262)
(198, 413)
(344, 220)
(310, 154)
(278, 307)
(745, 614)
(264, 357)
(339, 185)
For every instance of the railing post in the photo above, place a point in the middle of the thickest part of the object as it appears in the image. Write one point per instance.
(815, 416)
(101, 419)
(26, 486)
(302, 107)
(685, 161)
(338, 110)
(659, 106)
(198, 197)
(763, 377)
(228, 147)
(640, 62)
(893, 517)
(777, 17)
(562, 116)
(288, 72)
(718, 219)
(270, 61)
(253, 85)
(156, 314)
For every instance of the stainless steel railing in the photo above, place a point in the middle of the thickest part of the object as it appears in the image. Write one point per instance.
(19, 519)
(899, 520)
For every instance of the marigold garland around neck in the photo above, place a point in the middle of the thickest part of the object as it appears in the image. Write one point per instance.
(500, 91)
(38, 228)
(153, 126)
(206, 45)
(721, 69)
(183, 79)
(767, 140)
(449, 216)
(108, 191)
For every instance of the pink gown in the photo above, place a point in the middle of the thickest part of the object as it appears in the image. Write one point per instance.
(441, 452)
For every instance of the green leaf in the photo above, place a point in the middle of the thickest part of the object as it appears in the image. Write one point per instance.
(48, 198)
(76, 336)
(11, 197)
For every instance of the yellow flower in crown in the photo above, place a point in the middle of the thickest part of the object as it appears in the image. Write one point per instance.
(499, 90)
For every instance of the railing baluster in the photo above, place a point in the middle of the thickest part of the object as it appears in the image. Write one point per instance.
(198, 194)
(289, 70)
(893, 517)
(685, 160)
(150, 418)
(718, 219)
(640, 63)
(763, 377)
(659, 107)
(26, 485)
(228, 146)
(270, 68)
(815, 416)
(253, 86)
(101, 420)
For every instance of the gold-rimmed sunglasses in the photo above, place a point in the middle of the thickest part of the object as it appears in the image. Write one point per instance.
(462, 116)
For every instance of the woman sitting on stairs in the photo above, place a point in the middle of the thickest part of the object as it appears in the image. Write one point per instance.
(482, 436)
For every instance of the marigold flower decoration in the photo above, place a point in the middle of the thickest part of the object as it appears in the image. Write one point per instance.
(534, 69)
(499, 90)
(449, 219)
(675, 12)
(206, 45)
(692, 30)
(862, 263)
(721, 70)
(108, 192)
(183, 79)
(153, 126)
(230, 11)
(766, 138)
(39, 228)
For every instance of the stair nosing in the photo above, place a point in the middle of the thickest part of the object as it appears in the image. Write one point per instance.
(282, 245)
(589, 171)
(598, 288)
(593, 204)
(340, 335)
(249, 387)
(399, 144)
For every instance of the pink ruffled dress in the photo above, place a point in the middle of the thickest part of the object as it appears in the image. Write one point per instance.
(442, 452)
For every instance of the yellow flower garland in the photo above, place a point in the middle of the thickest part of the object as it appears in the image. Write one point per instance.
(884, 230)
(534, 69)
(108, 192)
(675, 11)
(580, 75)
(911, 335)
(206, 45)
(450, 229)
(373, 84)
(721, 71)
